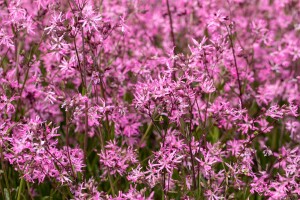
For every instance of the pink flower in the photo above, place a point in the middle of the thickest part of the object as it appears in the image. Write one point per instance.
(274, 112)
(90, 19)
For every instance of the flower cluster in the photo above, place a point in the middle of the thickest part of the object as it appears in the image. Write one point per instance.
(139, 99)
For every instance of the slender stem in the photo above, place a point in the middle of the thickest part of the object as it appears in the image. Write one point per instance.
(20, 188)
(235, 64)
(145, 135)
(85, 142)
(171, 24)
(84, 58)
(172, 36)
(17, 56)
(111, 184)
(78, 60)
(193, 166)
(21, 92)
(32, 52)
(164, 180)
(190, 147)
(54, 157)
(67, 144)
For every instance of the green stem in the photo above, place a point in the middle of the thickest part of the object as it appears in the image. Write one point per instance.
(145, 135)
(20, 188)
(111, 184)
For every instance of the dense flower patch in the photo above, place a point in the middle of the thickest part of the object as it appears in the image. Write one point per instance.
(149, 99)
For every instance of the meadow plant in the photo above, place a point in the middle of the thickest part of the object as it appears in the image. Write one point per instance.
(149, 99)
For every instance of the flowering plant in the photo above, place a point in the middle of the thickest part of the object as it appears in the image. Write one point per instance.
(136, 99)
